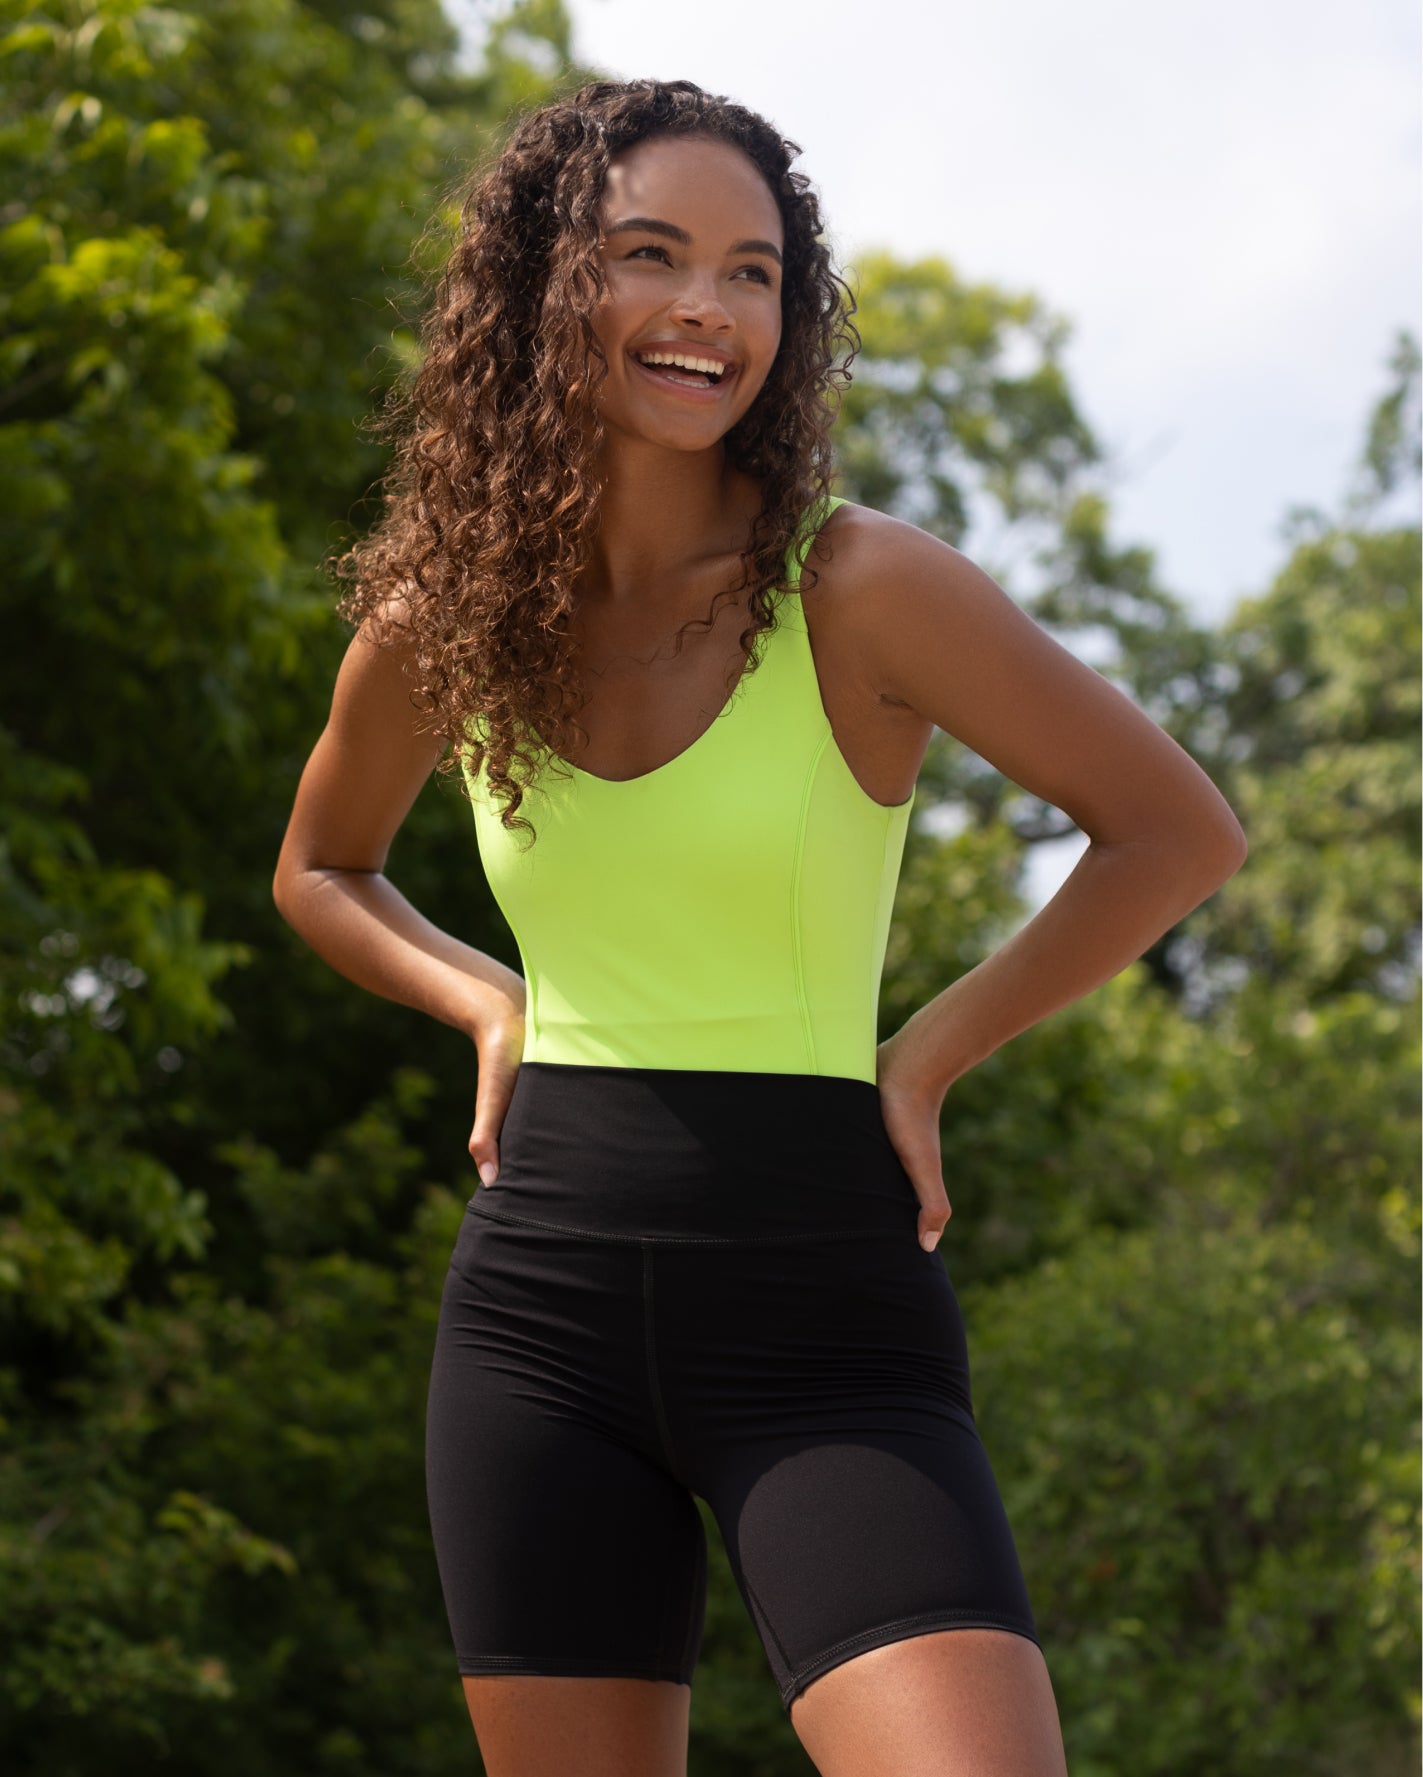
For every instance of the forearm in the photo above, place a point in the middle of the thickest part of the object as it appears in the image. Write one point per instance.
(1117, 902)
(361, 924)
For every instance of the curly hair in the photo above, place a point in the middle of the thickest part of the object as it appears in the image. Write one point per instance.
(492, 496)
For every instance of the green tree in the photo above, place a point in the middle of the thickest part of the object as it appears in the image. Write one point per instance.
(231, 1179)
(1186, 1228)
(1205, 1443)
(208, 215)
(1323, 769)
(207, 266)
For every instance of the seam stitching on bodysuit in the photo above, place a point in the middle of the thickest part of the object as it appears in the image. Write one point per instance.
(501, 1215)
(877, 973)
(664, 1431)
(797, 958)
(799, 551)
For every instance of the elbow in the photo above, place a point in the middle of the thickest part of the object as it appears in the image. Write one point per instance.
(1235, 845)
(1218, 840)
(282, 893)
(1206, 852)
(1223, 849)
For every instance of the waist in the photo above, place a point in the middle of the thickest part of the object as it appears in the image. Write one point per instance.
(638, 1153)
(779, 1042)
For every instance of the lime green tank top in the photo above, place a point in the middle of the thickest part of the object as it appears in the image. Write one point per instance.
(728, 910)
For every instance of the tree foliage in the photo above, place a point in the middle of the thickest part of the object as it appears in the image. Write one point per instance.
(208, 214)
(1186, 1227)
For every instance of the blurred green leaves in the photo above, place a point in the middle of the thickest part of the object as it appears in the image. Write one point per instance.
(1186, 1229)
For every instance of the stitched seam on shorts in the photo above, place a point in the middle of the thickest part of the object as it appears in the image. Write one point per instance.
(664, 1431)
(949, 1618)
(687, 1662)
(571, 1667)
(503, 1215)
(765, 1618)
(662, 1605)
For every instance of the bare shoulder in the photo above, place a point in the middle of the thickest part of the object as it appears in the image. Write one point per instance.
(871, 549)
(876, 573)
(938, 635)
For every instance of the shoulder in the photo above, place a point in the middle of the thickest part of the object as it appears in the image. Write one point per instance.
(936, 634)
(870, 548)
(891, 589)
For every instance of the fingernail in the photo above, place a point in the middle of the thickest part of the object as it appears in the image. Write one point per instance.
(930, 1241)
(488, 1173)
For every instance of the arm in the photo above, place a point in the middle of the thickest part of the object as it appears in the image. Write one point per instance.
(359, 784)
(942, 637)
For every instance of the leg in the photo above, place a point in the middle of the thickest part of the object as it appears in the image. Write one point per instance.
(834, 1440)
(958, 1703)
(580, 1727)
(573, 1564)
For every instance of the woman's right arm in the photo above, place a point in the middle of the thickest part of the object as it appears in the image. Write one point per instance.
(361, 780)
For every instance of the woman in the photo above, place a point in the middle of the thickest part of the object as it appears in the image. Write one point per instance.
(701, 1260)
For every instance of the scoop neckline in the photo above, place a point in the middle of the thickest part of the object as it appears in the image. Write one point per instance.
(777, 597)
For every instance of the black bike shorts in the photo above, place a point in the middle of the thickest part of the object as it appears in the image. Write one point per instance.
(703, 1283)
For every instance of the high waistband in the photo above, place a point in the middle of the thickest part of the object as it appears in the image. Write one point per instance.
(671, 1154)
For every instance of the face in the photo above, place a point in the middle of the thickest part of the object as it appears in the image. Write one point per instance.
(691, 246)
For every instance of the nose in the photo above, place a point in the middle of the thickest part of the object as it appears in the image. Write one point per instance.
(698, 304)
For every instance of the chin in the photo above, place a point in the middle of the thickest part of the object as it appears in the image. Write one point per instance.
(688, 438)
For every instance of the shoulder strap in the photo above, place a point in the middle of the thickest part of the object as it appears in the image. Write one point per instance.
(812, 519)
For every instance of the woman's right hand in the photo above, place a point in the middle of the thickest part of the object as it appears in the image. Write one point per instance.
(499, 1041)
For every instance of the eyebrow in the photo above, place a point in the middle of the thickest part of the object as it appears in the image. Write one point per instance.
(651, 225)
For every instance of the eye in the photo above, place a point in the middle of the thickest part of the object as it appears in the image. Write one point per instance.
(648, 249)
(758, 271)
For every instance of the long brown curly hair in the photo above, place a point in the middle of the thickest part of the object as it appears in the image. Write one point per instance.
(492, 496)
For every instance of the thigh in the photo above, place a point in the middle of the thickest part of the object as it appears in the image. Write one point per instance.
(967, 1702)
(596, 1727)
(565, 1548)
(825, 1412)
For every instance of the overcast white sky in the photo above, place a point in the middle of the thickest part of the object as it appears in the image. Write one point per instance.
(1222, 196)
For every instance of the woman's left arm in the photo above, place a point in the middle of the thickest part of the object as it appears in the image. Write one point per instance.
(942, 636)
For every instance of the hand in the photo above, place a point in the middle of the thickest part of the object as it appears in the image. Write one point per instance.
(911, 1118)
(499, 1042)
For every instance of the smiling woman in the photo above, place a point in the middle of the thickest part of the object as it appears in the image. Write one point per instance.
(701, 1263)
(574, 258)
(717, 360)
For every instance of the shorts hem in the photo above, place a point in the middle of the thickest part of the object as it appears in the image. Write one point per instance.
(904, 1629)
(541, 1666)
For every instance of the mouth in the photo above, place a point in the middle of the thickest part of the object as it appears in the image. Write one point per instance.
(692, 373)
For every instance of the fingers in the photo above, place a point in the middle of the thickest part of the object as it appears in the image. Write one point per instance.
(934, 1212)
(914, 1133)
(499, 1054)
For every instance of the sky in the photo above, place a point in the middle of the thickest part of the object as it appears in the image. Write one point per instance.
(1222, 197)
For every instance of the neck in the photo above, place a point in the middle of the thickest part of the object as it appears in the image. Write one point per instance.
(662, 513)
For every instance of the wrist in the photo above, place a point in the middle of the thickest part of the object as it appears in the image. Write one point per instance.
(494, 1001)
(930, 1053)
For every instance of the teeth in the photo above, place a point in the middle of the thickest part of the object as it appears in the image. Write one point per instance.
(683, 361)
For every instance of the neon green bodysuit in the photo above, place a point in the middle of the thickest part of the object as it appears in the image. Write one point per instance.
(728, 910)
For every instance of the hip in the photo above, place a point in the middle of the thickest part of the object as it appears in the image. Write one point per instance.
(674, 1156)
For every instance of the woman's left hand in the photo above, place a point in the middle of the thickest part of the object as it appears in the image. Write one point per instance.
(911, 1118)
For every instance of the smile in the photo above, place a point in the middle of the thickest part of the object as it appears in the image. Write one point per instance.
(695, 377)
